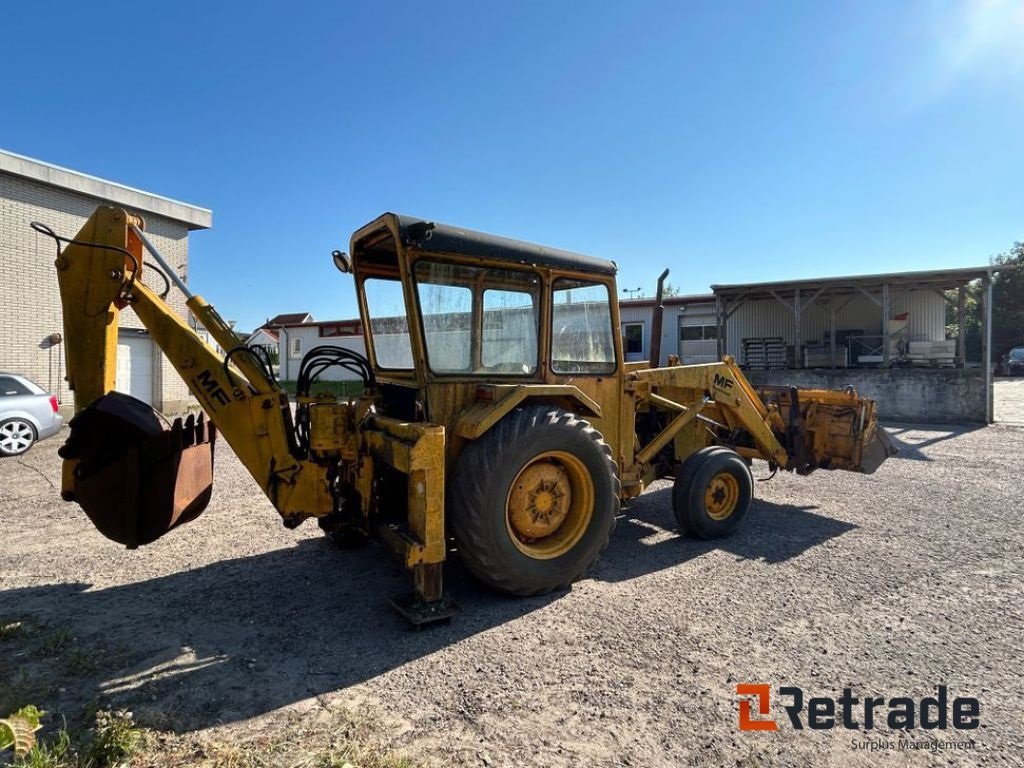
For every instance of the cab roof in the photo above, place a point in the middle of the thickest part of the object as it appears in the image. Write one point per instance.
(431, 236)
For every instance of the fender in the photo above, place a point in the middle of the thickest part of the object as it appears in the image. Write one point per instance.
(496, 400)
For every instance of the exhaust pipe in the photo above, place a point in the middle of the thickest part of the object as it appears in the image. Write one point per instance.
(659, 311)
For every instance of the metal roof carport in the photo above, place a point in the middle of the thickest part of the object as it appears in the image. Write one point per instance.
(799, 295)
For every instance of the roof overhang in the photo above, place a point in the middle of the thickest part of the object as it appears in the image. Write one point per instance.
(936, 279)
(192, 216)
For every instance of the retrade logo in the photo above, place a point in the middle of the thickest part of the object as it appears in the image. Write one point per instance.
(763, 694)
(899, 713)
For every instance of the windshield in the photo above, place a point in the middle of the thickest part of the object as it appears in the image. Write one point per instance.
(478, 320)
(1017, 353)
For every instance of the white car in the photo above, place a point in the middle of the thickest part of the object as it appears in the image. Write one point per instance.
(27, 413)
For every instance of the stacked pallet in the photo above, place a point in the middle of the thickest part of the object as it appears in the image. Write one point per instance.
(764, 353)
(932, 352)
(820, 356)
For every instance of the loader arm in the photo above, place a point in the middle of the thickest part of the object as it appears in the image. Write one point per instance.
(100, 273)
(794, 429)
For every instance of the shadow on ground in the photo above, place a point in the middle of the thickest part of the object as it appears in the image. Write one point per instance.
(912, 449)
(238, 638)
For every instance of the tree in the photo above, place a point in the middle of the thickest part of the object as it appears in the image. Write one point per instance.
(1007, 307)
(972, 319)
(1008, 302)
(669, 290)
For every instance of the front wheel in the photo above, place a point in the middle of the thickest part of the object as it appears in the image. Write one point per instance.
(533, 502)
(712, 493)
(16, 437)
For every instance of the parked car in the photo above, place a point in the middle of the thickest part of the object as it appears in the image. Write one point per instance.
(1013, 363)
(27, 413)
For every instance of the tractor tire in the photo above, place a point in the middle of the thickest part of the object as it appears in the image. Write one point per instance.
(533, 502)
(712, 493)
(683, 481)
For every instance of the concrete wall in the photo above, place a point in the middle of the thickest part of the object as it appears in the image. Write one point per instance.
(942, 396)
(30, 309)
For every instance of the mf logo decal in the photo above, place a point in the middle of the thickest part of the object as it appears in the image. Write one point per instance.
(723, 383)
(212, 388)
(763, 694)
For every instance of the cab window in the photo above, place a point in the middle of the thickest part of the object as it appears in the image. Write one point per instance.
(581, 328)
(389, 326)
(478, 320)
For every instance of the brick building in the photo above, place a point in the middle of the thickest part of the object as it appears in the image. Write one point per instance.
(30, 311)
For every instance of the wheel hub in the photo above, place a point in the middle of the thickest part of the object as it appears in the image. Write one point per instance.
(721, 496)
(539, 501)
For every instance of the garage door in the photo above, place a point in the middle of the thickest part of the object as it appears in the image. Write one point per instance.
(135, 367)
(698, 339)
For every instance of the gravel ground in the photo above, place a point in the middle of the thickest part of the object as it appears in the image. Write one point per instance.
(1009, 401)
(889, 584)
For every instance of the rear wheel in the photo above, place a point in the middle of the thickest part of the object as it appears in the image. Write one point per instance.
(16, 437)
(712, 493)
(533, 501)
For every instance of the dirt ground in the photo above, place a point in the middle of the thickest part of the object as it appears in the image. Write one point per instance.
(1009, 401)
(234, 626)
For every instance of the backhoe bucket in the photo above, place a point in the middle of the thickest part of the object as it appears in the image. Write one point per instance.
(136, 479)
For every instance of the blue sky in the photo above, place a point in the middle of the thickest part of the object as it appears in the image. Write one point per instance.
(731, 142)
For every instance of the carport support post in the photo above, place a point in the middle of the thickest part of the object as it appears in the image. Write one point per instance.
(885, 325)
(720, 314)
(961, 318)
(986, 343)
(797, 336)
(832, 331)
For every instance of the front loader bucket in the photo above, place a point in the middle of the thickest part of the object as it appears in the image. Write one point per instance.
(878, 449)
(136, 479)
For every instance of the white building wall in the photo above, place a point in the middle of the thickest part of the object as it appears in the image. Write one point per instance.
(310, 337)
(31, 310)
(628, 314)
(676, 314)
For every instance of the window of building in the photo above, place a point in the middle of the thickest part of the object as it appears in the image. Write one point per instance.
(342, 328)
(296, 347)
(633, 340)
(698, 332)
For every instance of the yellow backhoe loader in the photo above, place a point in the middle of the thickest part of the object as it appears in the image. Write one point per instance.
(496, 414)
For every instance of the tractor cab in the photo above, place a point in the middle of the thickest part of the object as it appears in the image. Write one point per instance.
(442, 306)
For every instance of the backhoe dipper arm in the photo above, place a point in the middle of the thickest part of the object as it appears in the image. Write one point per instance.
(100, 273)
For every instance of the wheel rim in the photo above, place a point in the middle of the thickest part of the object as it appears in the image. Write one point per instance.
(721, 496)
(550, 505)
(15, 436)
